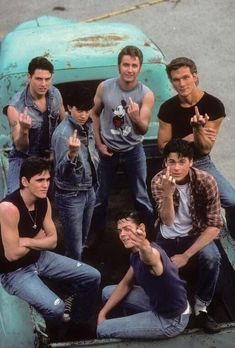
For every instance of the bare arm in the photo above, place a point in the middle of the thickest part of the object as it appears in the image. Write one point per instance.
(203, 131)
(141, 117)
(164, 134)
(163, 189)
(20, 124)
(150, 256)
(50, 239)
(118, 294)
(9, 217)
(95, 115)
(204, 239)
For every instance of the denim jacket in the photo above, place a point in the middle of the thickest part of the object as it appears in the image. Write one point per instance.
(43, 123)
(80, 174)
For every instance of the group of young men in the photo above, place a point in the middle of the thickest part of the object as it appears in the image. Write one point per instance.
(86, 145)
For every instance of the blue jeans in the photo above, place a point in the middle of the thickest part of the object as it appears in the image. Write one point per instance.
(13, 175)
(75, 210)
(135, 168)
(226, 190)
(81, 280)
(208, 259)
(144, 324)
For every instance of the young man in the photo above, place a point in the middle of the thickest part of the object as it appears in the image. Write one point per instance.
(195, 116)
(33, 114)
(27, 235)
(121, 116)
(188, 206)
(151, 289)
(76, 161)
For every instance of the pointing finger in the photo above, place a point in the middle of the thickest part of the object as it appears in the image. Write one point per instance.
(130, 100)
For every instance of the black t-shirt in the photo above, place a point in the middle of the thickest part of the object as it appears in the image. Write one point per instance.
(25, 228)
(172, 112)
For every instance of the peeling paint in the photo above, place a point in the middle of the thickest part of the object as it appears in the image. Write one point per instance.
(99, 40)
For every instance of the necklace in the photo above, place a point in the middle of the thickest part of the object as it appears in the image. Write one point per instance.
(33, 220)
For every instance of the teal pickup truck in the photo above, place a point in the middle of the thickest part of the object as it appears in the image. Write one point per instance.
(82, 53)
(86, 53)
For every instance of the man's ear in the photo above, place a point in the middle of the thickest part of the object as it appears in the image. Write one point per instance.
(69, 108)
(24, 181)
(191, 163)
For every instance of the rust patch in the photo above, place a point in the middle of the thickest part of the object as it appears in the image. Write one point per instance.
(147, 44)
(69, 66)
(99, 40)
(155, 60)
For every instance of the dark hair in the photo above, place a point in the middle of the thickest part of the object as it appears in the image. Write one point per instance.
(132, 51)
(81, 98)
(40, 63)
(33, 166)
(180, 62)
(182, 147)
(136, 216)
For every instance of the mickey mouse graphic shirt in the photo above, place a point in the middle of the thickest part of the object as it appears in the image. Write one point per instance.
(118, 132)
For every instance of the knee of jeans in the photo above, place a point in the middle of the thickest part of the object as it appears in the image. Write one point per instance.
(210, 260)
(55, 310)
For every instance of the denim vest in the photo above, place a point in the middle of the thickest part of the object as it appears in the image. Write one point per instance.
(82, 174)
(43, 123)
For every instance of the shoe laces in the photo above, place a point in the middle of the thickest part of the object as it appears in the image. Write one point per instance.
(68, 302)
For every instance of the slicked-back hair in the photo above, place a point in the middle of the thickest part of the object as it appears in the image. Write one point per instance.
(33, 166)
(132, 51)
(40, 63)
(179, 63)
(182, 147)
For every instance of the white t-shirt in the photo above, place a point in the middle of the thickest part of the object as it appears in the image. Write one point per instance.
(183, 221)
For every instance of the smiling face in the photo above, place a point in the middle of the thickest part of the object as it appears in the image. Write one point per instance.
(126, 227)
(184, 81)
(129, 69)
(38, 185)
(39, 82)
(179, 167)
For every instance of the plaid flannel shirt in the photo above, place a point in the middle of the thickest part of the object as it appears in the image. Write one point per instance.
(205, 208)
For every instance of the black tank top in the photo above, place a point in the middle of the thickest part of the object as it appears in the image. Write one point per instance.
(25, 228)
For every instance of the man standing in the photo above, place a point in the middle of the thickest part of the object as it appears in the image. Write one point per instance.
(188, 206)
(121, 116)
(76, 161)
(151, 290)
(195, 116)
(33, 114)
(27, 233)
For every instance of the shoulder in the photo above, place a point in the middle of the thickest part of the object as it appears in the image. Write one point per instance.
(213, 103)
(8, 210)
(205, 178)
(54, 91)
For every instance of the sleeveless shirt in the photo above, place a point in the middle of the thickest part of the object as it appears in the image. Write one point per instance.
(25, 228)
(118, 132)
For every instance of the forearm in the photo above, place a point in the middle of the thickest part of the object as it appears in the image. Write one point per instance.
(117, 296)
(46, 243)
(201, 141)
(141, 125)
(204, 239)
(167, 210)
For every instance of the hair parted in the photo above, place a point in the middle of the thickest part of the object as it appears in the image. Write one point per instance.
(180, 62)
